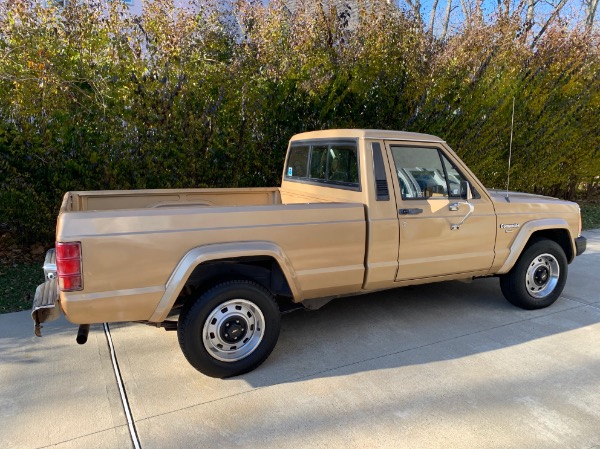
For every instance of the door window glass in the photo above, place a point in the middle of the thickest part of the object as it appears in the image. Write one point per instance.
(454, 179)
(425, 173)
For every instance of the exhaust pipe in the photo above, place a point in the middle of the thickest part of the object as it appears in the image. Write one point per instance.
(82, 333)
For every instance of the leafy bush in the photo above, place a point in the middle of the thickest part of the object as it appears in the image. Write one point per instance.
(92, 97)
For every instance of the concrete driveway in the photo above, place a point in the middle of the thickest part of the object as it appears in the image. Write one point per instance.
(448, 365)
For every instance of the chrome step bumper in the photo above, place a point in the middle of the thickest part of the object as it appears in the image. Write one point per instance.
(50, 264)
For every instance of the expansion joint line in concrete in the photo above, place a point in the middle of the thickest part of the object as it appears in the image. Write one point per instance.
(595, 306)
(130, 423)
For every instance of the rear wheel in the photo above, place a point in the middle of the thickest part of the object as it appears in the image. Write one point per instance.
(538, 278)
(230, 329)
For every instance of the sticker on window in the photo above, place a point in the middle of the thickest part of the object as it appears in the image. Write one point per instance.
(290, 171)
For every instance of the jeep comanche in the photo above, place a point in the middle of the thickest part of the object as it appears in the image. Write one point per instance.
(357, 211)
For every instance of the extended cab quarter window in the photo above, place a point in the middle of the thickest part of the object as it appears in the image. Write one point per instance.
(324, 163)
(318, 162)
(425, 173)
(298, 161)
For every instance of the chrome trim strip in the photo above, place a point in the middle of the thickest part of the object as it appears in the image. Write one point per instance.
(330, 270)
(115, 293)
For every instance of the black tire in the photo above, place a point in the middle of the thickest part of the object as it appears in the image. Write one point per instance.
(538, 278)
(241, 308)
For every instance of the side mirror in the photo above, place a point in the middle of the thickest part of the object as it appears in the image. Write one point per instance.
(465, 191)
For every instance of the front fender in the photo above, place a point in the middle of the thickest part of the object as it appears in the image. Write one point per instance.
(527, 230)
(202, 254)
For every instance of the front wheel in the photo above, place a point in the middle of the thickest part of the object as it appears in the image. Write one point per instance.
(538, 278)
(230, 329)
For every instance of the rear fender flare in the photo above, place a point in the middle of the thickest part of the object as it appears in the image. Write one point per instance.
(202, 254)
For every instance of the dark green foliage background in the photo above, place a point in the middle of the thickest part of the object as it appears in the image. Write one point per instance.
(93, 98)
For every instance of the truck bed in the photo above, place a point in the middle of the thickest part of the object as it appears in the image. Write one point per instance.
(104, 200)
(140, 237)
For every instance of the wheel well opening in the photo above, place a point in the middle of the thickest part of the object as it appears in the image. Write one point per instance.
(264, 270)
(560, 236)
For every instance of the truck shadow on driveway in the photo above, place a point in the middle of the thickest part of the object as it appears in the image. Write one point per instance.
(437, 321)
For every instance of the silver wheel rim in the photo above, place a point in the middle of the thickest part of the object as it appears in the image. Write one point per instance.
(542, 276)
(233, 330)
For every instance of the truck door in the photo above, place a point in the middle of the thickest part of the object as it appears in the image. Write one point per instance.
(430, 206)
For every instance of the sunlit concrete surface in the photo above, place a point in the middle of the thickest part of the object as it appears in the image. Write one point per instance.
(55, 393)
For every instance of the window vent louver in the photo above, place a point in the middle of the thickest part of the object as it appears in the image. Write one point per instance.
(381, 185)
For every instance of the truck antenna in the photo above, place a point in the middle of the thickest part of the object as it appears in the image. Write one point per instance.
(512, 123)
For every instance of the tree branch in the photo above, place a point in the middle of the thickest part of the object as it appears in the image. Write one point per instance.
(548, 22)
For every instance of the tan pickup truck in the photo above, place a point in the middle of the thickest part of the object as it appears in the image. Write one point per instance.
(357, 211)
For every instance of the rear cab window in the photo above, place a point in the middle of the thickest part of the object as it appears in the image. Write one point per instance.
(328, 163)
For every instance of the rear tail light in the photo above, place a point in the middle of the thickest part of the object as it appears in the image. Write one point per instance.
(68, 266)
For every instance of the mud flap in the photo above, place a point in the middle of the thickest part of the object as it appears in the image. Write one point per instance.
(45, 305)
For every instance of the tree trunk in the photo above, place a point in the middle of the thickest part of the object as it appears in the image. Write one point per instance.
(432, 16)
(466, 9)
(591, 6)
(530, 10)
(446, 20)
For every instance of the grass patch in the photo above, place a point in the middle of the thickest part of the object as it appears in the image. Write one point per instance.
(590, 214)
(18, 282)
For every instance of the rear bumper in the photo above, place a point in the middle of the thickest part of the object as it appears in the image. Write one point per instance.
(50, 265)
(580, 245)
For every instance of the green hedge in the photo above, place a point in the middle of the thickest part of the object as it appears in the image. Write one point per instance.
(93, 98)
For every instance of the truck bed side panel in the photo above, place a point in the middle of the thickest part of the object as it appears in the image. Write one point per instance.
(324, 243)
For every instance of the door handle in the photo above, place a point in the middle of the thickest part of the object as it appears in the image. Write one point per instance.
(414, 211)
(456, 226)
